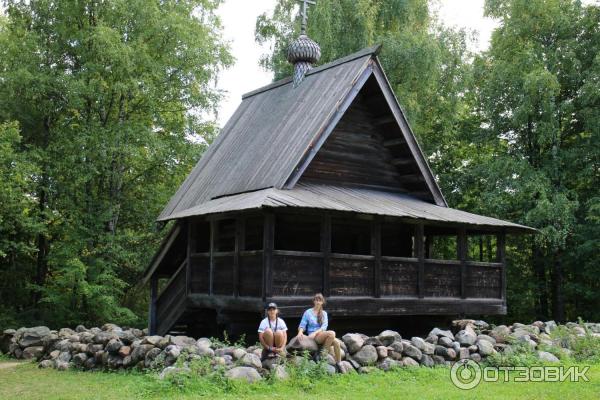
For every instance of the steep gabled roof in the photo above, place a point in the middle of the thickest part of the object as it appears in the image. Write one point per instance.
(277, 130)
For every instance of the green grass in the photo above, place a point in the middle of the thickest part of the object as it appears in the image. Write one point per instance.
(26, 382)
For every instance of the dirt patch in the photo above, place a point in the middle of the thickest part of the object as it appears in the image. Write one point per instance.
(9, 364)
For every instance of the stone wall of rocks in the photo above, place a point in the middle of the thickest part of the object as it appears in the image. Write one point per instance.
(113, 347)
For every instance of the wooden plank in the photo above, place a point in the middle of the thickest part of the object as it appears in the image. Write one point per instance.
(462, 256)
(268, 245)
(376, 252)
(188, 264)
(153, 295)
(501, 255)
(239, 244)
(401, 162)
(420, 253)
(213, 239)
(326, 250)
(394, 142)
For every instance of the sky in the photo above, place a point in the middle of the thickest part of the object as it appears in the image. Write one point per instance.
(239, 19)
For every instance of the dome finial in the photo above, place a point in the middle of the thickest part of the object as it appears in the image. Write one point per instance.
(303, 52)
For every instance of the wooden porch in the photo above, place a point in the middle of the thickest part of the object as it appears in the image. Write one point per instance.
(234, 263)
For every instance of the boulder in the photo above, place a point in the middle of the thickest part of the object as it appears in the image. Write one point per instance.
(367, 369)
(169, 371)
(549, 326)
(463, 353)
(139, 353)
(412, 351)
(547, 357)
(445, 341)
(301, 344)
(79, 359)
(32, 352)
(394, 355)
(387, 337)
(367, 355)
(353, 342)
(5, 340)
(418, 342)
(440, 333)
(113, 346)
(279, 373)
(248, 374)
(485, 348)
(46, 364)
(396, 346)
(486, 337)
(373, 341)
(153, 340)
(33, 336)
(238, 353)
(251, 360)
(124, 351)
(205, 351)
(466, 337)
(388, 364)
(426, 361)
(182, 341)
(475, 357)
(271, 362)
(345, 367)
(433, 339)
(382, 352)
(409, 362)
(203, 342)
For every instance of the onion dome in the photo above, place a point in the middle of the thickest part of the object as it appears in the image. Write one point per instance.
(303, 53)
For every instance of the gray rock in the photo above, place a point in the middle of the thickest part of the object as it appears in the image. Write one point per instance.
(475, 357)
(466, 337)
(438, 360)
(238, 353)
(302, 344)
(33, 336)
(388, 364)
(426, 361)
(251, 360)
(46, 364)
(412, 351)
(456, 346)
(64, 357)
(485, 348)
(79, 359)
(428, 348)
(139, 353)
(330, 369)
(182, 341)
(549, 326)
(409, 362)
(62, 366)
(382, 352)
(440, 333)
(32, 352)
(473, 349)
(248, 374)
(547, 357)
(113, 346)
(113, 361)
(278, 372)
(463, 353)
(387, 337)
(394, 355)
(203, 342)
(445, 341)
(271, 362)
(345, 367)
(373, 341)
(153, 340)
(397, 346)
(169, 371)
(172, 353)
(486, 337)
(450, 354)
(433, 339)
(353, 342)
(367, 369)
(205, 351)
(418, 342)
(367, 355)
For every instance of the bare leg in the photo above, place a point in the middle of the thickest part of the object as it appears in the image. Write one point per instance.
(278, 339)
(268, 339)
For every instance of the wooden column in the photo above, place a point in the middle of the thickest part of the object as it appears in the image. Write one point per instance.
(501, 256)
(376, 251)
(190, 246)
(461, 250)
(268, 246)
(239, 246)
(326, 250)
(213, 244)
(153, 295)
(420, 253)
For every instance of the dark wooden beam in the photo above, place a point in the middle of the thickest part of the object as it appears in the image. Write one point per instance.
(420, 253)
(501, 256)
(190, 232)
(213, 241)
(461, 251)
(268, 246)
(238, 247)
(326, 250)
(401, 162)
(394, 142)
(153, 295)
(376, 252)
(388, 119)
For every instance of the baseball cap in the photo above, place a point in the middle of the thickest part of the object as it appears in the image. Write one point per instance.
(271, 305)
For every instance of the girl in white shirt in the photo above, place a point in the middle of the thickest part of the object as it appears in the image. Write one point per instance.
(272, 333)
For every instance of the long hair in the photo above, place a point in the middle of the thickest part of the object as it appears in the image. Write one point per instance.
(319, 296)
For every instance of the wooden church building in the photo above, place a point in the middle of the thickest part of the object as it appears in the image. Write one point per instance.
(317, 184)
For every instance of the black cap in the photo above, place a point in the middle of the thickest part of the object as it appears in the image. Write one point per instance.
(271, 305)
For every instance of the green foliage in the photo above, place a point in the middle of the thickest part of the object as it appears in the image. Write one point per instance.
(520, 355)
(112, 100)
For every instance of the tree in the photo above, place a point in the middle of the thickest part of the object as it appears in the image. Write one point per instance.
(110, 97)
(535, 89)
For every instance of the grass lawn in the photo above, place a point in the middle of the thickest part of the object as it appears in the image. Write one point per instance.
(25, 381)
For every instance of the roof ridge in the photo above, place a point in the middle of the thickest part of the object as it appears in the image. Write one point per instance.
(373, 50)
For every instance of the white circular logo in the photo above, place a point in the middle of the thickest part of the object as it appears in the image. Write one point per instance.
(465, 374)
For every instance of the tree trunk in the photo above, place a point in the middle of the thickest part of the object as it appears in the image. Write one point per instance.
(558, 303)
(542, 287)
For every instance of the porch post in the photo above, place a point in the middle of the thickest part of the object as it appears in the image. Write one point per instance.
(376, 251)
(153, 294)
(501, 258)
(268, 246)
(462, 256)
(326, 250)
(420, 253)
